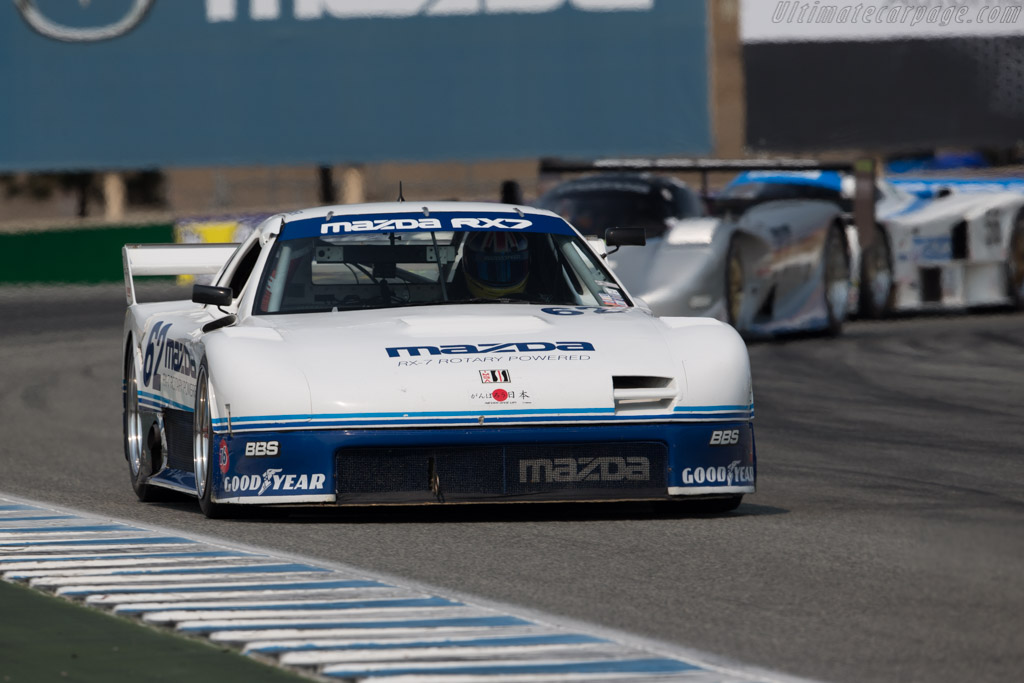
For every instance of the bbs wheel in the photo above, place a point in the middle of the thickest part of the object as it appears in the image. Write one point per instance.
(835, 279)
(876, 277)
(202, 445)
(1015, 263)
(138, 449)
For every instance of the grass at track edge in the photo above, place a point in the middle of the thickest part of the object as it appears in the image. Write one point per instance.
(46, 638)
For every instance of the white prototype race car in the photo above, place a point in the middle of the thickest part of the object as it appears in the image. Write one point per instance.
(432, 353)
(944, 249)
(953, 250)
(769, 258)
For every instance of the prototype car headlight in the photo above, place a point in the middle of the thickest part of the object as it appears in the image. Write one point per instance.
(691, 231)
(701, 301)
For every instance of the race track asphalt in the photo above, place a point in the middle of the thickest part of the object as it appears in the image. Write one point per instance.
(885, 543)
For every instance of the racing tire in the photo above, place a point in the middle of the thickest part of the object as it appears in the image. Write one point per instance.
(138, 448)
(835, 279)
(734, 283)
(1015, 263)
(876, 278)
(202, 446)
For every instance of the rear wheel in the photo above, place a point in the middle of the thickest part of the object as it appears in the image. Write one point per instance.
(202, 446)
(137, 448)
(836, 279)
(876, 278)
(1015, 263)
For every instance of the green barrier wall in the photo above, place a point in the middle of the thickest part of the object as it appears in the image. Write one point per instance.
(80, 256)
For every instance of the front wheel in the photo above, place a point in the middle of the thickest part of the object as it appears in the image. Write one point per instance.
(876, 278)
(1015, 263)
(202, 445)
(836, 279)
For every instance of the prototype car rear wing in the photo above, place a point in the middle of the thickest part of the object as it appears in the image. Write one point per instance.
(862, 171)
(172, 259)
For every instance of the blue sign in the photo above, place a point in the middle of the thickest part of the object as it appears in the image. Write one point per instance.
(150, 83)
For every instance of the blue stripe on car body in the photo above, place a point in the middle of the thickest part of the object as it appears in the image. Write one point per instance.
(269, 419)
(916, 205)
(472, 418)
(160, 401)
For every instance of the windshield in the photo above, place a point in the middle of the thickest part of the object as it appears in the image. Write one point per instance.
(422, 268)
(742, 196)
(886, 190)
(592, 210)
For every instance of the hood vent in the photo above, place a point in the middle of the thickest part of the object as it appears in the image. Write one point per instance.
(640, 393)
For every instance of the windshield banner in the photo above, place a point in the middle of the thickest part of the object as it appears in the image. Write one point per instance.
(422, 222)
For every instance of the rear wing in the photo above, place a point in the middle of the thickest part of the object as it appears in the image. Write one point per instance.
(172, 259)
(862, 171)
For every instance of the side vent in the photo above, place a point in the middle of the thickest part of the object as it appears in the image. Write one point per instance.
(178, 427)
(639, 393)
(958, 240)
(931, 284)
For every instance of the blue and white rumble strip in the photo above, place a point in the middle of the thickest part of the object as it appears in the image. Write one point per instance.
(317, 620)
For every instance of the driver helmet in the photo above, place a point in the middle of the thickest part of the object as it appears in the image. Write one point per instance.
(496, 264)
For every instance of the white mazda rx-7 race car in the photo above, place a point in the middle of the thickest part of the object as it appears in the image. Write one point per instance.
(440, 352)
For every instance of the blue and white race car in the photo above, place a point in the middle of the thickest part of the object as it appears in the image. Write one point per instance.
(941, 244)
(959, 245)
(440, 352)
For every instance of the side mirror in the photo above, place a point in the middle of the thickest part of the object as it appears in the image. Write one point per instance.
(944, 191)
(625, 237)
(220, 322)
(213, 296)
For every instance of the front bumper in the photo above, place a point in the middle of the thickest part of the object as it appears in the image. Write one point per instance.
(503, 464)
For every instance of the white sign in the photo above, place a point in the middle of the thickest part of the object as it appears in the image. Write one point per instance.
(788, 21)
